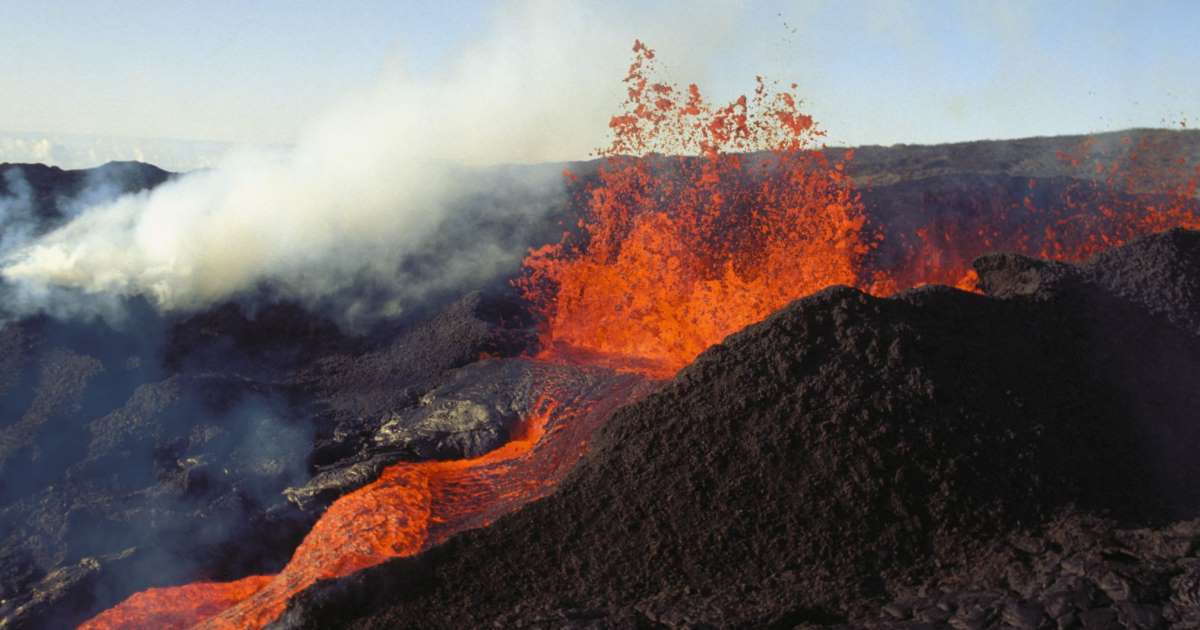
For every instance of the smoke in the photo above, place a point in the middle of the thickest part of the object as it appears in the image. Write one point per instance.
(17, 218)
(369, 187)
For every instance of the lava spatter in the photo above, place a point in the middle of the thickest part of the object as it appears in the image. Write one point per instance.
(687, 236)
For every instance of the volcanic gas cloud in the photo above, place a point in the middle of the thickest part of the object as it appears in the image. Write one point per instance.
(702, 219)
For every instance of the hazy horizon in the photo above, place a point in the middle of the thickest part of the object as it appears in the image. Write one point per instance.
(872, 73)
(184, 155)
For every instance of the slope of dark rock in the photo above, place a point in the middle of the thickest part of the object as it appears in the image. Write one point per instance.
(52, 192)
(1038, 157)
(1078, 571)
(851, 451)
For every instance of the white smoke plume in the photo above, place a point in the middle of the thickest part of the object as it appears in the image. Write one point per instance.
(367, 184)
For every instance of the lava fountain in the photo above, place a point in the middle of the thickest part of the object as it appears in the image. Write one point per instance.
(704, 219)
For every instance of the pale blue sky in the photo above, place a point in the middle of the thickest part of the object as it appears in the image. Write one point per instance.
(872, 72)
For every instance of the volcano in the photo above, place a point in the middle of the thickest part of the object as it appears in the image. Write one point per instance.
(724, 388)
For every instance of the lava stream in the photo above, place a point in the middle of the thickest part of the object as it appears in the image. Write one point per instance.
(411, 507)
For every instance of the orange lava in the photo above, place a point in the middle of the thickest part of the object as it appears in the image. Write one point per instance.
(1151, 187)
(411, 507)
(704, 219)
(687, 239)
(177, 607)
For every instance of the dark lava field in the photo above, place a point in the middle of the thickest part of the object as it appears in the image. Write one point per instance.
(1026, 456)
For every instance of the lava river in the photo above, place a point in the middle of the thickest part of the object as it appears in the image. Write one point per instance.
(409, 508)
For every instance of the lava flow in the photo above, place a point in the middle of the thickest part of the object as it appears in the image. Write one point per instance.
(411, 507)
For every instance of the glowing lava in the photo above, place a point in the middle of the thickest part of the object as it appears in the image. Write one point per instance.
(686, 239)
(703, 220)
(411, 507)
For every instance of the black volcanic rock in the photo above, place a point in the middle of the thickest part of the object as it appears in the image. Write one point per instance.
(1020, 158)
(266, 343)
(54, 193)
(458, 419)
(851, 455)
(470, 413)
(360, 391)
(1079, 570)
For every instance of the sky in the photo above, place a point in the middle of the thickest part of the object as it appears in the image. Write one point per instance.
(879, 72)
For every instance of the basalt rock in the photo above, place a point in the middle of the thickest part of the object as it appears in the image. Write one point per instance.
(470, 413)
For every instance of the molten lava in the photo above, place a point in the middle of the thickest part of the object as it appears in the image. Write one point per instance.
(704, 219)
(411, 507)
(687, 239)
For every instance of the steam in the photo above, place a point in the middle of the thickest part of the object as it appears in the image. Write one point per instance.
(366, 189)
(17, 218)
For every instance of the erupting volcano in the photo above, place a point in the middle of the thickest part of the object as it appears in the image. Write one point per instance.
(699, 221)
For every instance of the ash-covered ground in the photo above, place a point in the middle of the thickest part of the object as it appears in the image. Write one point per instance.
(1024, 458)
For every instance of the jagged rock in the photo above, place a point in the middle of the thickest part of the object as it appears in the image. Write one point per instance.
(446, 429)
(463, 418)
(328, 485)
